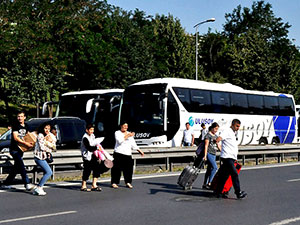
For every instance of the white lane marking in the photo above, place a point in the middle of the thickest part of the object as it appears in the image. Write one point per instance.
(36, 217)
(286, 221)
(170, 174)
(178, 173)
(293, 180)
(271, 166)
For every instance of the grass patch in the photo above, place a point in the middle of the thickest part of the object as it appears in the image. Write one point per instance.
(2, 130)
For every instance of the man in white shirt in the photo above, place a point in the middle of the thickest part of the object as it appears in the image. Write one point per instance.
(203, 132)
(229, 157)
(188, 136)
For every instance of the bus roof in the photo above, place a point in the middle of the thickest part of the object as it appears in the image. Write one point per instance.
(98, 91)
(197, 84)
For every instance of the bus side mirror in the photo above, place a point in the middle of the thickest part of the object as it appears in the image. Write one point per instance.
(114, 102)
(45, 107)
(89, 104)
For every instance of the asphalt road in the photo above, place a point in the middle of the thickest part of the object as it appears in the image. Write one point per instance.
(273, 198)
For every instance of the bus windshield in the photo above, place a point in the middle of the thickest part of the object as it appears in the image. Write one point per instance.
(74, 105)
(142, 107)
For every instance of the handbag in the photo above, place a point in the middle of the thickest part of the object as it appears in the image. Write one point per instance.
(108, 163)
(104, 156)
(49, 158)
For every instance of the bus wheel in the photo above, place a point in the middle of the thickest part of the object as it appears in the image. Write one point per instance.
(275, 141)
(263, 141)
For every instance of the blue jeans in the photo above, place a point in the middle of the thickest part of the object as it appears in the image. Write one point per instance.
(211, 168)
(186, 144)
(46, 168)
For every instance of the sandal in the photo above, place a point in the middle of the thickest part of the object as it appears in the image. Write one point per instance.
(114, 186)
(96, 189)
(129, 185)
(85, 189)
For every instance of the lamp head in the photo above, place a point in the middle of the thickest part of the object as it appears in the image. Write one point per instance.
(211, 20)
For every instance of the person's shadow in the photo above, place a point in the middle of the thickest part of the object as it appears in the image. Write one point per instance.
(176, 189)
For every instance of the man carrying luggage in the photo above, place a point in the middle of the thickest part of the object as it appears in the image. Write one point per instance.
(19, 130)
(228, 157)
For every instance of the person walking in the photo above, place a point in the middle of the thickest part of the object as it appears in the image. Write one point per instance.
(19, 130)
(188, 136)
(46, 142)
(203, 132)
(123, 161)
(210, 149)
(90, 162)
(228, 158)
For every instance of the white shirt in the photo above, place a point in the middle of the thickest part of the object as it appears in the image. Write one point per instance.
(87, 155)
(123, 146)
(229, 144)
(42, 146)
(188, 135)
(203, 133)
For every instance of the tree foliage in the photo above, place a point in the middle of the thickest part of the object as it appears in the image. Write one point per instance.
(50, 47)
(253, 51)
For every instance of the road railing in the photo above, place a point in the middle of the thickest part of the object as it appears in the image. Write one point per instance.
(73, 156)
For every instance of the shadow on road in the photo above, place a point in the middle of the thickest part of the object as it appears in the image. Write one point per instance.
(175, 189)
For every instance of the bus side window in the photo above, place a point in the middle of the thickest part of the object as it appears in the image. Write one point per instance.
(200, 101)
(271, 105)
(184, 95)
(256, 104)
(220, 102)
(286, 107)
(239, 103)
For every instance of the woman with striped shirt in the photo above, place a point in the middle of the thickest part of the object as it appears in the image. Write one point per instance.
(44, 145)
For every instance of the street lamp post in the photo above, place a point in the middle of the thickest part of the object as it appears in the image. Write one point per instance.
(196, 26)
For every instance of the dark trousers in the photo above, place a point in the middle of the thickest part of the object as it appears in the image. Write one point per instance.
(207, 173)
(227, 168)
(122, 163)
(18, 167)
(93, 165)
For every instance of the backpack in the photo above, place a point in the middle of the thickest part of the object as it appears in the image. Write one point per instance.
(200, 149)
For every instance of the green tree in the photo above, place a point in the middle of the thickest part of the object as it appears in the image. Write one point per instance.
(172, 49)
(258, 54)
(30, 66)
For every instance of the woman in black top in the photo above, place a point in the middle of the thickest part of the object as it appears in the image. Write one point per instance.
(90, 162)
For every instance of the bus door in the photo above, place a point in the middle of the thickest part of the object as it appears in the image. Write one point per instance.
(105, 118)
(173, 121)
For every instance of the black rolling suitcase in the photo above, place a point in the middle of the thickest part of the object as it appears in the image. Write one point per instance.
(189, 175)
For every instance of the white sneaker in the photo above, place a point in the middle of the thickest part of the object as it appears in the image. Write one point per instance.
(6, 187)
(29, 187)
(39, 191)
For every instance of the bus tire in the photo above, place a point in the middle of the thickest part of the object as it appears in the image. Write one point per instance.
(263, 141)
(275, 141)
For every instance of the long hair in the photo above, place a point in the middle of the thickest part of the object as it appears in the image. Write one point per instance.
(213, 125)
(42, 127)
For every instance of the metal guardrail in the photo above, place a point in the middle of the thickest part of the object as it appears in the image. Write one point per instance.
(73, 156)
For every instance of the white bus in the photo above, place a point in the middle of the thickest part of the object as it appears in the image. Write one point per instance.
(157, 110)
(98, 107)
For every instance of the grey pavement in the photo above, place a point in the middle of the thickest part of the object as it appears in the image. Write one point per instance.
(273, 198)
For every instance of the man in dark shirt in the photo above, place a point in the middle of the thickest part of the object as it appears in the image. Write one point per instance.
(19, 130)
